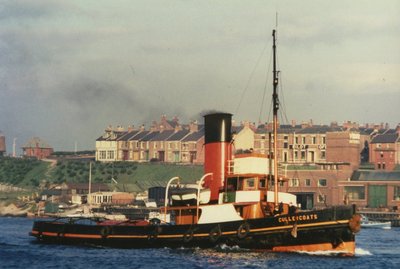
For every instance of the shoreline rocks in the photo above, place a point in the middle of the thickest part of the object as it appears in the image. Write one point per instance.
(11, 210)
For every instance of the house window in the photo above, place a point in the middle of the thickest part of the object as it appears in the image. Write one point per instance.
(307, 182)
(296, 139)
(184, 146)
(296, 155)
(354, 192)
(303, 140)
(323, 155)
(250, 183)
(323, 140)
(313, 140)
(294, 182)
(285, 137)
(303, 155)
(285, 145)
(322, 182)
(396, 193)
(102, 154)
(110, 154)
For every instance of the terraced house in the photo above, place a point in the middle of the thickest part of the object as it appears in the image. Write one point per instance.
(166, 141)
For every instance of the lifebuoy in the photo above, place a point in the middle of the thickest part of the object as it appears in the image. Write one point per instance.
(155, 221)
(215, 234)
(105, 231)
(61, 231)
(243, 230)
(188, 236)
(154, 233)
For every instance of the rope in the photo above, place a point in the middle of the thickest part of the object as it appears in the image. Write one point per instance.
(250, 78)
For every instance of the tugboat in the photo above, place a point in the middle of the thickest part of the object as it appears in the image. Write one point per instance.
(236, 203)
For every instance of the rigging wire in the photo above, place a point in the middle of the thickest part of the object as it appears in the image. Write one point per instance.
(250, 78)
(265, 89)
(282, 104)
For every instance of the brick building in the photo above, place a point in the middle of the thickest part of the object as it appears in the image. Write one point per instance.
(2, 144)
(37, 148)
(372, 189)
(385, 150)
(166, 141)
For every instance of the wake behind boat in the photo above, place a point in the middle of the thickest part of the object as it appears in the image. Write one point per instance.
(236, 203)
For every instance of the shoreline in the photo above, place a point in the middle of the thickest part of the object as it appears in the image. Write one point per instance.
(11, 210)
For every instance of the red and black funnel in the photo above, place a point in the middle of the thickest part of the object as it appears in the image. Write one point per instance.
(218, 138)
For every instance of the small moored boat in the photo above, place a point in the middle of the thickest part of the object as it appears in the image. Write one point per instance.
(367, 223)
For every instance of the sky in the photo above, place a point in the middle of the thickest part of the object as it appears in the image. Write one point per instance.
(69, 69)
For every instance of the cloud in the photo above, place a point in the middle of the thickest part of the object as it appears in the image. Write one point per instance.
(70, 68)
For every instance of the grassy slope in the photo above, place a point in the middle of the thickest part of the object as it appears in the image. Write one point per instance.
(130, 176)
(149, 175)
(23, 173)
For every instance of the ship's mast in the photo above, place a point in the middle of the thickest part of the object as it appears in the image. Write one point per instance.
(90, 184)
(275, 120)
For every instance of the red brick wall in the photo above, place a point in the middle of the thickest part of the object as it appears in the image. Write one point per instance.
(384, 157)
(39, 153)
(344, 147)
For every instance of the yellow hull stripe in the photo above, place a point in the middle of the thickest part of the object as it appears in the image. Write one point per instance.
(328, 223)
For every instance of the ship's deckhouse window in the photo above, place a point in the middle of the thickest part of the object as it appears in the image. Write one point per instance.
(250, 183)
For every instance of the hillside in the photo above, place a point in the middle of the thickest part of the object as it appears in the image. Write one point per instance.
(30, 174)
(24, 173)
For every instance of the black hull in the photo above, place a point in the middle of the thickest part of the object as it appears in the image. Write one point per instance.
(330, 229)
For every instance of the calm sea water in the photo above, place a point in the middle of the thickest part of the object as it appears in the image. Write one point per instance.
(375, 249)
